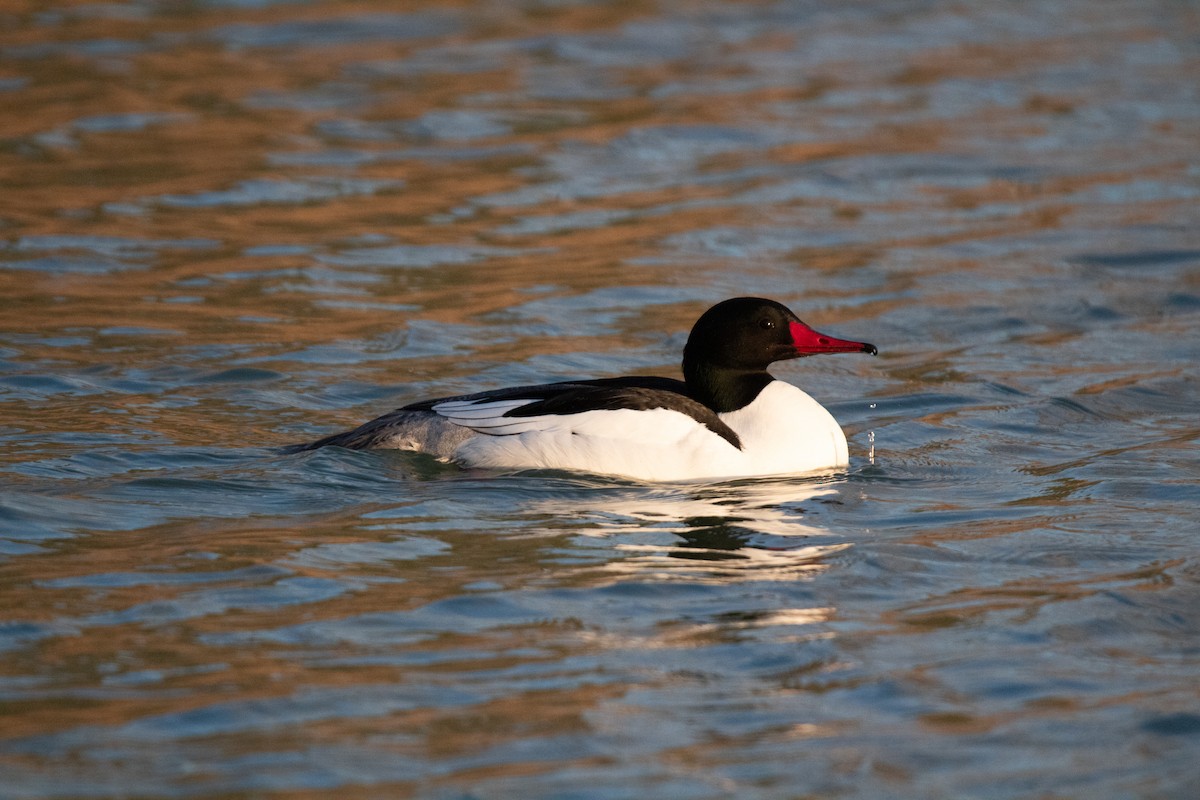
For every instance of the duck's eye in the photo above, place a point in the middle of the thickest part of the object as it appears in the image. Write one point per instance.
(766, 323)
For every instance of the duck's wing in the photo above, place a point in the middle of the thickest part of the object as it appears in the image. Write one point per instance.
(578, 406)
(546, 391)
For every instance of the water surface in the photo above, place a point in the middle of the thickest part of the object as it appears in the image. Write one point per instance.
(230, 226)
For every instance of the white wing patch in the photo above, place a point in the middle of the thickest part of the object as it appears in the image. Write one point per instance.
(487, 416)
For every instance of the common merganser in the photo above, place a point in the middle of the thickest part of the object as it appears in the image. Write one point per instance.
(727, 418)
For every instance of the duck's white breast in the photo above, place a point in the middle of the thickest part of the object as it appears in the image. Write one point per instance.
(785, 430)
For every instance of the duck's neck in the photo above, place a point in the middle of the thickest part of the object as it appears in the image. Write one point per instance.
(723, 389)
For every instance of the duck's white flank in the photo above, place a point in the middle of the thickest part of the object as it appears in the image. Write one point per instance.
(782, 431)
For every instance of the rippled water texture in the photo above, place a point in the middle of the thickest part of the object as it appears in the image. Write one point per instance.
(230, 225)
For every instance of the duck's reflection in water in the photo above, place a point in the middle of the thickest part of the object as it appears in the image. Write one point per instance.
(760, 530)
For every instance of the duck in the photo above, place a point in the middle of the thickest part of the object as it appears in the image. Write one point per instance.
(728, 418)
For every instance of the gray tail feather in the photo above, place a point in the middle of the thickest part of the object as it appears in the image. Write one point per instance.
(403, 429)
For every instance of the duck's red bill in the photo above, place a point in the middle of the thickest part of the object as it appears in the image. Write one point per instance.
(809, 342)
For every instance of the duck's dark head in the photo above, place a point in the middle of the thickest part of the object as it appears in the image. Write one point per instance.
(731, 345)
